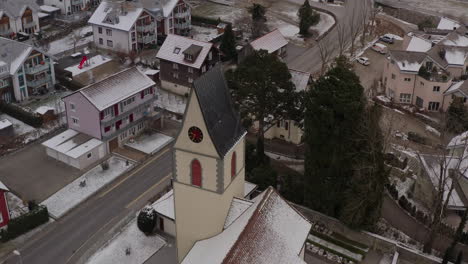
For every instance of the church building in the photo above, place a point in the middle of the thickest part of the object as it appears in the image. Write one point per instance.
(214, 222)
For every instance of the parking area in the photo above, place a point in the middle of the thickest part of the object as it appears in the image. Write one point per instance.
(33, 175)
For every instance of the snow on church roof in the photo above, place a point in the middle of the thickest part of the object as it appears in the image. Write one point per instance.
(269, 231)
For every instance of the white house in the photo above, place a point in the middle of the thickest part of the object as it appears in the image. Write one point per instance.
(68, 7)
(18, 16)
(124, 27)
(24, 71)
(174, 16)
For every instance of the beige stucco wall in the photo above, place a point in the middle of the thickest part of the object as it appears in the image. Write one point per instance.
(456, 72)
(424, 90)
(240, 163)
(398, 84)
(175, 88)
(208, 169)
(200, 214)
(293, 134)
(169, 225)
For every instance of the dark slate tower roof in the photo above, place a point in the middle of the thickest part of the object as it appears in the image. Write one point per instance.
(222, 121)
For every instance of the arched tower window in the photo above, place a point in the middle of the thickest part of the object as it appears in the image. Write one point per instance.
(196, 173)
(233, 165)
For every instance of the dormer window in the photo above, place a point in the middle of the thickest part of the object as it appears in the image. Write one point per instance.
(192, 52)
(188, 57)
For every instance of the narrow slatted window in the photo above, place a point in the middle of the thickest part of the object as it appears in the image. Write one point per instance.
(233, 165)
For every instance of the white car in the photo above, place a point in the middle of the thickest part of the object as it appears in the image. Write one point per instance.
(363, 60)
(380, 48)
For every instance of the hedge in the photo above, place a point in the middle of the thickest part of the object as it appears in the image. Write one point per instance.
(329, 250)
(207, 20)
(24, 223)
(20, 114)
(339, 243)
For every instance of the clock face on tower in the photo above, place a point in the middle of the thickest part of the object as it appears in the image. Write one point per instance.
(195, 134)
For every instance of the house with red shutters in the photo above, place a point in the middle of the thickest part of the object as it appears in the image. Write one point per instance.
(4, 209)
(103, 116)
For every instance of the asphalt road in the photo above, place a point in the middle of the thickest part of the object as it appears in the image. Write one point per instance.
(66, 239)
(310, 60)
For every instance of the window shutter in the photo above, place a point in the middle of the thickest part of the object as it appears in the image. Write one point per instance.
(101, 115)
(116, 109)
(196, 173)
(151, 89)
(233, 165)
(142, 93)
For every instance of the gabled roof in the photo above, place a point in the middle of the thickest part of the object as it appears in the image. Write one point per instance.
(419, 44)
(15, 8)
(222, 121)
(452, 55)
(160, 7)
(300, 79)
(447, 23)
(455, 39)
(270, 42)
(174, 46)
(270, 231)
(113, 15)
(116, 88)
(408, 61)
(461, 87)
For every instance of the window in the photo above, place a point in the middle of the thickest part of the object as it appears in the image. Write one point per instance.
(110, 43)
(175, 66)
(107, 111)
(393, 76)
(176, 50)
(190, 80)
(101, 42)
(436, 89)
(464, 99)
(175, 75)
(100, 30)
(109, 32)
(419, 102)
(433, 106)
(133, 36)
(89, 155)
(107, 129)
(128, 101)
(407, 79)
(405, 98)
(233, 165)
(196, 173)
(21, 80)
(190, 69)
(75, 121)
(72, 107)
(286, 125)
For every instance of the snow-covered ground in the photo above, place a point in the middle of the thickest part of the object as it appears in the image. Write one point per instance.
(15, 205)
(150, 144)
(19, 128)
(455, 8)
(96, 178)
(90, 64)
(130, 240)
(386, 230)
(432, 130)
(171, 102)
(325, 23)
(66, 44)
(204, 33)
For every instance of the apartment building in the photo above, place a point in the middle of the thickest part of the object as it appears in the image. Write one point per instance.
(183, 60)
(18, 17)
(113, 109)
(68, 7)
(24, 71)
(174, 16)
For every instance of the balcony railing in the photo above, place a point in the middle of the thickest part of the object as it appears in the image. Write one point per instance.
(77, 2)
(146, 39)
(152, 116)
(184, 14)
(146, 28)
(4, 83)
(5, 32)
(38, 82)
(185, 25)
(29, 24)
(37, 68)
(126, 112)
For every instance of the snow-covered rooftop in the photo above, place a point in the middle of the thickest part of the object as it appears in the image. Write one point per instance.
(44, 109)
(72, 143)
(408, 61)
(165, 205)
(249, 188)
(461, 86)
(269, 231)
(300, 79)
(116, 88)
(3, 187)
(47, 8)
(238, 207)
(270, 42)
(91, 63)
(120, 16)
(419, 44)
(447, 23)
(42, 15)
(4, 123)
(455, 39)
(174, 46)
(455, 56)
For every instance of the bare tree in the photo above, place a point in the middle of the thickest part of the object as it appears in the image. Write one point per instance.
(326, 49)
(343, 38)
(75, 38)
(355, 27)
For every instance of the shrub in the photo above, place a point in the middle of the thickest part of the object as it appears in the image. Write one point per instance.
(146, 220)
(24, 223)
(20, 114)
(415, 137)
(105, 165)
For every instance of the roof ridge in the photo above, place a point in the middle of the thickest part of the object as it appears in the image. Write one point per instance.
(276, 29)
(171, 34)
(108, 77)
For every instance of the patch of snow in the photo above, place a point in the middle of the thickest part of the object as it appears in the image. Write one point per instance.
(432, 130)
(170, 102)
(447, 23)
(283, 158)
(393, 36)
(19, 128)
(91, 63)
(435, 120)
(150, 144)
(96, 178)
(4, 123)
(455, 56)
(325, 23)
(66, 43)
(130, 240)
(419, 44)
(16, 206)
(398, 111)
(43, 109)
(384, 98)
(205, 34)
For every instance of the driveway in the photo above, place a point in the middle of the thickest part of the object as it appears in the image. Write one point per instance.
(33, 175)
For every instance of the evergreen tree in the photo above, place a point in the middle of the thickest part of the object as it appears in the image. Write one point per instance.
(456, 238)
(263, 91)
(307, 18)
(264, 176)
(228, 43)
(457, 116)
(258, 12)
(146, 220)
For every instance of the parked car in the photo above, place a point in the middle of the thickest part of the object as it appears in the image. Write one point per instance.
(380, 48)
(363, 60)
(386, 39)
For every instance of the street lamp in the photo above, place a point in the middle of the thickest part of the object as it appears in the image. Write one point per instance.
(17, 253)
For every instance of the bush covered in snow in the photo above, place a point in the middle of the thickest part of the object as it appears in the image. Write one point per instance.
(147, 220)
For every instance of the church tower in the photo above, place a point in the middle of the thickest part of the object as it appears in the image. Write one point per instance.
(208, 162)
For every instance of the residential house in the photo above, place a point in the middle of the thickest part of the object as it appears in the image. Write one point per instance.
(421, 74)
(458, 90)
(273, 42)
(214, 223)
(182, 61)
(290, 130)
(174, 16)
(123, 26)
(24, 71)
(18, 17)
(4, 208)
(114, 109)
(68, 7)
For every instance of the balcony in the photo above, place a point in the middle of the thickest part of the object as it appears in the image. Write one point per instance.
(146, 39)
(185, 25)
(77, 2)
(4, 83)
(5, 32)
(38, 82)
(29, 24)
(113, 132)
(184, 14)
(37, 68)
(141, 106)
(145, 28)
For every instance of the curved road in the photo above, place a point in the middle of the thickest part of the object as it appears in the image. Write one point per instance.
(309, 60)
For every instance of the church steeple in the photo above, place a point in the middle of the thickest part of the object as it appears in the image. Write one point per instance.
(208, 161)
